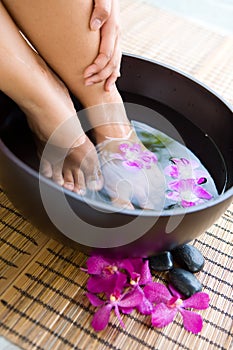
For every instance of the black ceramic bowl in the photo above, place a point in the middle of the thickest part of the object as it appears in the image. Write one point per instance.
(192, 108)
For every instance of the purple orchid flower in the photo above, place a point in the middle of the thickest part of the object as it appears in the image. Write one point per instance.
(105, 273)
(134, 157)
(139, 271)
(168, 304)
(119, 301)
(185, 169)
(138, 278)
(187, 192)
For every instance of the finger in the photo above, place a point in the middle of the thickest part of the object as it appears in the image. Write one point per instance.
(100, 14)
(111, 69)
(108, 44)
(100, 62)
(111, 81)
(115, 74)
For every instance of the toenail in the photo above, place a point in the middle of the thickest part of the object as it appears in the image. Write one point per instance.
(69, 185)
(59, 183)
(81, 191)
(95, 185)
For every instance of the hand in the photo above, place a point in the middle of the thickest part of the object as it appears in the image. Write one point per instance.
(106, 66)
(131, 175)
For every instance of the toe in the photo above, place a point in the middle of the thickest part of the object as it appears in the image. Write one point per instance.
(122, 203)
(95, 182)
(79, 182)
(68, 179)
(57, 175)
(46, 168)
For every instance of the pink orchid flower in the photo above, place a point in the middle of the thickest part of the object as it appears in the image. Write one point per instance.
(134, 157)
(187, 192)
(116, 300)
(105, 273)
(140, 277)
(168, 304)
(185, 169)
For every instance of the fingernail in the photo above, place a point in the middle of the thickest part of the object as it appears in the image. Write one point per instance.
(89, 83)
(88, 75)
(111, 87)
(96, 24)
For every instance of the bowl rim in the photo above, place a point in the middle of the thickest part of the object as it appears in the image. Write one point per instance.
(108, 207)
(184, 74)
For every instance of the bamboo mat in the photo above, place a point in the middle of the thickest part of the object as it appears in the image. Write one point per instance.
(42, 288)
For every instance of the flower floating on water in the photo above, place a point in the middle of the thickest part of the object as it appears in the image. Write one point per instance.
(186, 190)
(182, 168)
(168, 304)
(134, 157)
(127, 285)
(187, 193)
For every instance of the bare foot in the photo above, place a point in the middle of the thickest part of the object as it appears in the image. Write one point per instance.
(131, 174)
(71, 159)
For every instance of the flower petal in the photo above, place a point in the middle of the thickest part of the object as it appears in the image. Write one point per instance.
(162, 315)
(131, 299)
(95, 264)
(123, 147)
(135, 164)
(172, 170)
(127, 310)
(173, 195)
(94, 300)
(145, 274)
(192, 321)
(199, 301)
(126, 264)
(201, 192)
(137, 265)
(156, 292)
(101, 318)
(145, 307)
(98, 284)
(176, 185)
(187, 204)
(120, 282)
(175, 160)
(117, 312)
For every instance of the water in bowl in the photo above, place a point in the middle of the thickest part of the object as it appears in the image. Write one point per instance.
(188, 183)
(197, 146)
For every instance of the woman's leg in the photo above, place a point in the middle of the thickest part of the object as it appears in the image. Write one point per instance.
(59, 30)
(26, 78)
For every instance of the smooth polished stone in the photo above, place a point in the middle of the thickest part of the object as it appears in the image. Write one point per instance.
(184, 281)
(161, 262)
(188, 257)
